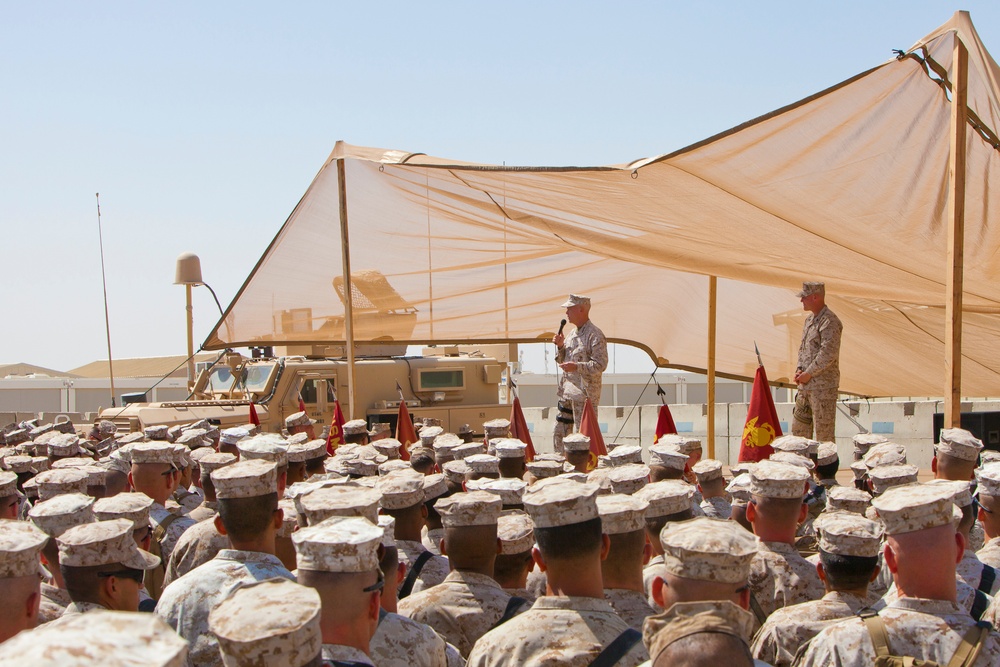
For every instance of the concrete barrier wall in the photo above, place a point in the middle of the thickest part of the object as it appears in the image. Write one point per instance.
(907, 423)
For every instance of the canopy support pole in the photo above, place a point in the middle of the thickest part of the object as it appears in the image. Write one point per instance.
(348, 286)
(190, 333)
(956, 238)
(710, 367)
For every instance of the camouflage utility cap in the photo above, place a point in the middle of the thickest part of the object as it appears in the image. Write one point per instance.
(848, 534)
(103, 543)
(57, 515)
(472, 508)
(913, 507)
(771, 479)
(561, 502)
(52, 483)
(132, 506)
(628, 478)
(339, 544)
(245, 479)
(706, 470)
(516, 532)
(20, 544)
(275, 622)
(848, 499)
(666, 497)
(108, 638)
(401, 489)
(667, 456)
(708, 550)
(960, 444)
(622, 513)
(339, 500)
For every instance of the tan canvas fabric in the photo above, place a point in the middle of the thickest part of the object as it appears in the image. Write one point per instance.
(485, 246)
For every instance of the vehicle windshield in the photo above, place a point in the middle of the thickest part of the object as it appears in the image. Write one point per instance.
(221, 379)
(257, 375)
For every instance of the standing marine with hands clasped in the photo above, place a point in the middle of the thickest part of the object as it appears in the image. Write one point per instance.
(818, 369)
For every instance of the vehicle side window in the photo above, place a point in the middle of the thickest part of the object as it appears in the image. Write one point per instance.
(309, 391)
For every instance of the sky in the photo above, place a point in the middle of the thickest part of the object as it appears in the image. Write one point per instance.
(202, 124)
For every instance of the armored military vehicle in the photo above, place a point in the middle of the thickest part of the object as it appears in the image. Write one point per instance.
(453, 386)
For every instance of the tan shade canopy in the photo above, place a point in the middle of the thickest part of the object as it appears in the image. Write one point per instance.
(848, 187)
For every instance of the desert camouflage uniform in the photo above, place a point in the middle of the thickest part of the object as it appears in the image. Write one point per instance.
(431, 574)
(787, 629)
(337, 654)
(992, 613)
(816, 401)
(652, 570)
(53, 603)
(970, 570)
(739, 620)
(977, 537)
(206, 510)
(964, 594)
(630, 605)
(923, 629)
(187, 500)
(186, 603)
(402, 642)
(557, 630)
(537, 584)
(588, 348)
(23, 509)
(990, 553)
(431, 539)
(196, 547)
(883, 580)
(157, 513)
(716, 507)
(521, 593)
(82, 608)
(461, 609)
(780, 577)
(816, 498)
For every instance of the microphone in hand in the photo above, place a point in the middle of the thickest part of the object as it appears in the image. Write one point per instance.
(562, 324)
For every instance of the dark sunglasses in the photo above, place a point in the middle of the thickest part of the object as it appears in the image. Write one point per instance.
(377, 586)
(127, 573)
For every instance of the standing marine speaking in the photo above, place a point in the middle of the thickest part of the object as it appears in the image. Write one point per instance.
(582, 357)
(818, 368)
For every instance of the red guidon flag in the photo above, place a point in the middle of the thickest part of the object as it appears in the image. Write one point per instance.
(762, 425)
(664, 423)
(404, 431)
(519, 429)
(335, 438)
(254, 419)
(592, 429)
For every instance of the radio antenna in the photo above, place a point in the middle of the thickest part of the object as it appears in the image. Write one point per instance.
(104, 282)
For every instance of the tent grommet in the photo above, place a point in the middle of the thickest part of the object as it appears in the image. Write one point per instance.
(635, 174)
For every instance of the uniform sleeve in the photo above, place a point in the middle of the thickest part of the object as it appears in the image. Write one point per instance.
(597, 351)
(453, 657)
(829, 348)
(765, 645)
